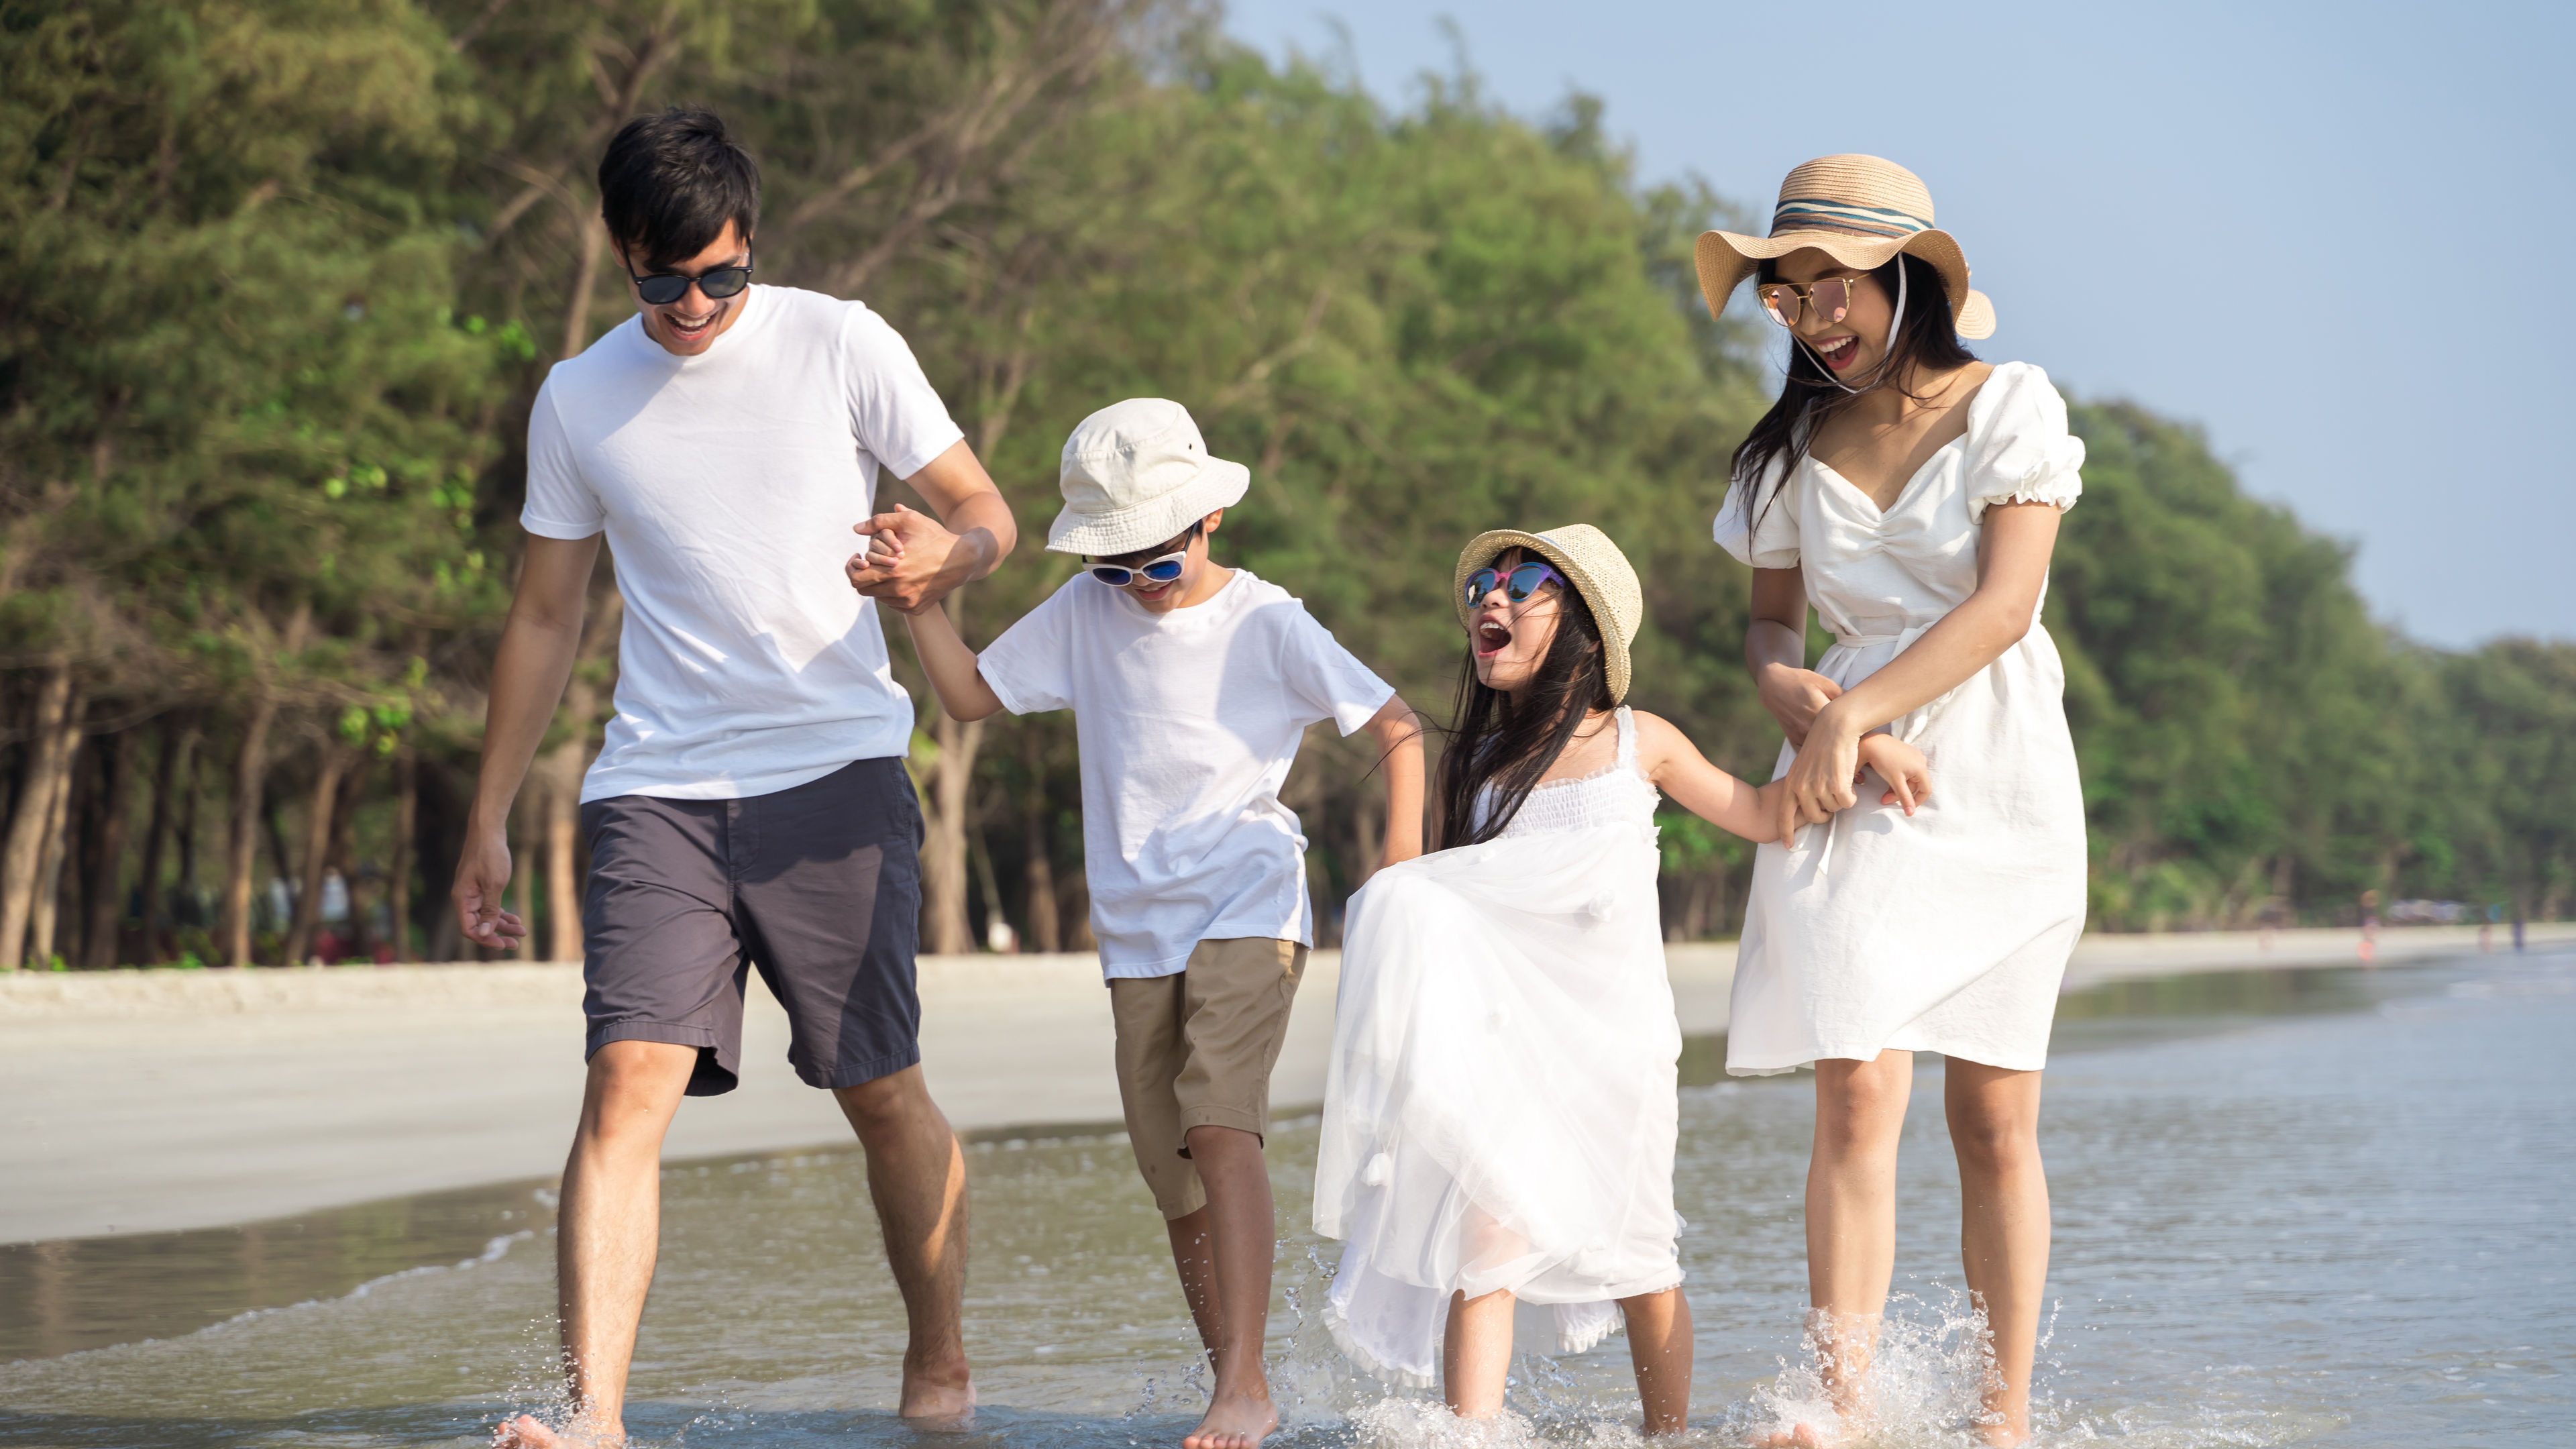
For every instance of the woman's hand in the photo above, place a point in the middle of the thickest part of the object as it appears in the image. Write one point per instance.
(1820, 779)
(1793, 696)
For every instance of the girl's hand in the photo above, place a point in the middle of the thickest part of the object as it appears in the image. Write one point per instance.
(1907, 773)
(1819, 780)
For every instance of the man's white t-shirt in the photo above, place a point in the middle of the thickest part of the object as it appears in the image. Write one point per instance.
(727, 483)
(1188, 723)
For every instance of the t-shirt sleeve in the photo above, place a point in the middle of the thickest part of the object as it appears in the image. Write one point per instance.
(898, 415)
(2019, 449)
(1325, 678)
(560, 504)
(1764, 533)
(1026, 668)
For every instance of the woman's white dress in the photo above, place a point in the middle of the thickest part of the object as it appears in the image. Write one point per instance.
(1500, 1109)
(1947, 932)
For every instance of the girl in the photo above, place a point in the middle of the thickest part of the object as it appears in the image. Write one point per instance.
(1910, 493)
(1500, 1109)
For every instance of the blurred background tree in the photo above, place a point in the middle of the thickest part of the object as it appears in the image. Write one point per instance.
(291, 272)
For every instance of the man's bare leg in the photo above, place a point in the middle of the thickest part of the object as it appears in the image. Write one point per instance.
(606, 1235)
(1851, 1224)
(1660, 1348)
(2003, 1226)
(1244, 1233)
(917, 1178)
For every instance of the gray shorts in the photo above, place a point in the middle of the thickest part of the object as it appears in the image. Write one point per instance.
(819, 886)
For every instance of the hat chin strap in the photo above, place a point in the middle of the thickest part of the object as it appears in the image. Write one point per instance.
(1886, 349)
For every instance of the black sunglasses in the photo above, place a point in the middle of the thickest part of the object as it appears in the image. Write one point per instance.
(663, 289)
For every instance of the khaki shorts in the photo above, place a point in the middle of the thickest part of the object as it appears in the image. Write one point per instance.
(1195, 1049)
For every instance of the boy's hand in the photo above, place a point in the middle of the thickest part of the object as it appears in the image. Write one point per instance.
(911, 562)
(1907, 773)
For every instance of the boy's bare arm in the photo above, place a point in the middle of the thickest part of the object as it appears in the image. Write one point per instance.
(950, 665)
(1398, 732)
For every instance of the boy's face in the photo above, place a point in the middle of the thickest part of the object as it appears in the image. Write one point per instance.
(1197, 572)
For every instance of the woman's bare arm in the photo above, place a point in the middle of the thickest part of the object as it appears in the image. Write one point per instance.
(1775, 649)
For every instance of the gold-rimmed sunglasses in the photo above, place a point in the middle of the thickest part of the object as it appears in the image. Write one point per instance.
(1831, 297)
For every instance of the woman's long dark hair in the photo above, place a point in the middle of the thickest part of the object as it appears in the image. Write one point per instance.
(1927, 341)
(1492, 742)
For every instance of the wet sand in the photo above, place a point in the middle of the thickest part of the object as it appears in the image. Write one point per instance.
(143, 1101)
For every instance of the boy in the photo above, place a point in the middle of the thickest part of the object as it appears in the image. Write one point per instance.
(1190, 686)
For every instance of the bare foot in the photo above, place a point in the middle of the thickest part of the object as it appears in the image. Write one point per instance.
(939, 1407)
(1805, 1436)
(524, 1432)
(1234, 1421)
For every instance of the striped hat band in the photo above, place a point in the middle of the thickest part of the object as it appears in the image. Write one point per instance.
(1820, 213)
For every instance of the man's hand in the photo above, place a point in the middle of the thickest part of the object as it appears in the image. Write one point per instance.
(482, 874)
(911, 561)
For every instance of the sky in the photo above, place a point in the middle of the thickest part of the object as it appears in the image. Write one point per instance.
(2340, 238)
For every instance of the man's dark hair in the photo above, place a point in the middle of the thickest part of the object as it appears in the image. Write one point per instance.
(669, 183)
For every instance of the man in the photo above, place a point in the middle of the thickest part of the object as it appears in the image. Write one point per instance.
(749, 806)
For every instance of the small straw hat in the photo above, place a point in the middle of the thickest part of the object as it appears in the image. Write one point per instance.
(1861, 211)
(1599, 571)
(1135, 474)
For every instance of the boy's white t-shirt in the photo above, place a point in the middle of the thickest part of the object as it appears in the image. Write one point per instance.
(727, 484)
(1188, 723)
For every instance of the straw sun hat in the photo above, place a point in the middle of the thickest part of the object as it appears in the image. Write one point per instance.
(1599, 571)
(1135, 474)
(1861, 211)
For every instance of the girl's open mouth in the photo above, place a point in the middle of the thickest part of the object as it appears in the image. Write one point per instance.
(1840, 353)
(1491, 639)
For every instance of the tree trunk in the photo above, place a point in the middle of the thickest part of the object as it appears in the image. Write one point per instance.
(560, 776)
(344, 854)
(406, 824)
(192, 794)
(22, 857)
(49, 868)
(943, 851)
(317, 853)
(105, 902)
(178, 742)
(250, 772)
(1044, 923)
(523, 882)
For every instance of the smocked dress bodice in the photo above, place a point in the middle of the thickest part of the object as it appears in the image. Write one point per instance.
(1618, 795)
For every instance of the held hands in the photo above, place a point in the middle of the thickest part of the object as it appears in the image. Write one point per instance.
(482, 874)
(1829, 763)
(911, 561)
(1794, 696)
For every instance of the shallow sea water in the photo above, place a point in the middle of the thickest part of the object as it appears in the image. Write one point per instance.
(2315, 1207)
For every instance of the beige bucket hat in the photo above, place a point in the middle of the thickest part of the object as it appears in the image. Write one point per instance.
(1135, 474)
(1599, 571)
(1861, 211)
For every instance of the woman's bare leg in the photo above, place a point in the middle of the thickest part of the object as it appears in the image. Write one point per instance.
(1851, 1219)
(1476, 1354)
(1659, 1345)
(2003, 1226)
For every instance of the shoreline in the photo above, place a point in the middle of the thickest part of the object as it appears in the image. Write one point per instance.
(160, 1100)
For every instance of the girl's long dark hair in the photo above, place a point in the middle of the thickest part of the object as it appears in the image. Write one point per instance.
(1927, 341)
(1491, 742)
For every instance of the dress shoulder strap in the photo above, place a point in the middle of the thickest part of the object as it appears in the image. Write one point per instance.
(1627, 739)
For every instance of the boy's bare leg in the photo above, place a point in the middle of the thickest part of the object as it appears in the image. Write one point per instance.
(606, 1234)
(1242, 1230)
(1476, 1354)
(1660, 1346)
(2003, 1226)
(1194, 1254)
(917, 1178)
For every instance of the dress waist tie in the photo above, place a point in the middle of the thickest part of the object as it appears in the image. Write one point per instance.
(1870, 641)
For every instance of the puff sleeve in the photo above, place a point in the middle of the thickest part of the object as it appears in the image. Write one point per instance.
(2019, 450)
(1773, 544)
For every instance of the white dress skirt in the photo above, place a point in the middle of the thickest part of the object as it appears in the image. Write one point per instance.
(1947, 932)
(1501, 1104)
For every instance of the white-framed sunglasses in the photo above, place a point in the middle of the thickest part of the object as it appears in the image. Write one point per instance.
(1153, 573)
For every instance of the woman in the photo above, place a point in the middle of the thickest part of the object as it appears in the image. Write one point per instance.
(1910, 493)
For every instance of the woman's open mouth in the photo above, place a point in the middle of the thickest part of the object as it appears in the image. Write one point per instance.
(1839, 353)
(1491, 639)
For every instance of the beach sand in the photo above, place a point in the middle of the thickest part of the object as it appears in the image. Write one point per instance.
(145, 1101)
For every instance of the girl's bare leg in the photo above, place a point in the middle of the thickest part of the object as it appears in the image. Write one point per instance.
(1659, 1345)
(2003, 1227)
(1851, 1221)
(1476, 1354)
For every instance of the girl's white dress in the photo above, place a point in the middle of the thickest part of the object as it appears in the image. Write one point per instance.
(1947, 932)
(1500, 1109)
